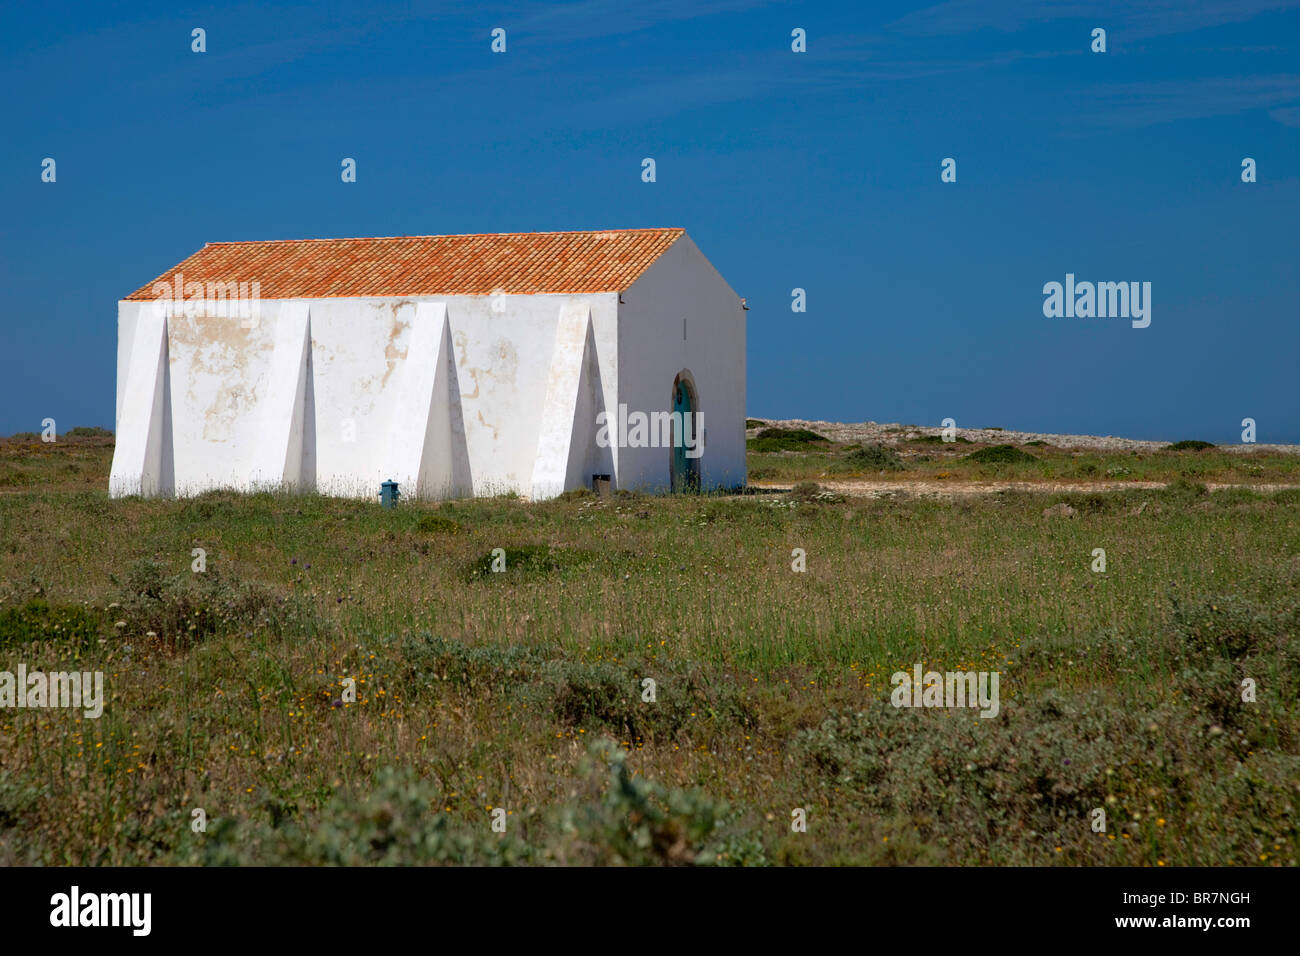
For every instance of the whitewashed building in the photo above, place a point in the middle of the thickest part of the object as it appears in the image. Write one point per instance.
(454, 365)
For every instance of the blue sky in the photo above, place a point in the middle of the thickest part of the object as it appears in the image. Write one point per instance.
(818, 170)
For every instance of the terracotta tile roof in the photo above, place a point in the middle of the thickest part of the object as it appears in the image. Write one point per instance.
(517, 263)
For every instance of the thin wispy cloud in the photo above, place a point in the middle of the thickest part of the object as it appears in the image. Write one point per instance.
(590, 19)
(657, 99)
(1134, 21)
(965, 16)
(1149, 103)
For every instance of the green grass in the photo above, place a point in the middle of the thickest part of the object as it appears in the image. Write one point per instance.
(925, 460)
(526, 690)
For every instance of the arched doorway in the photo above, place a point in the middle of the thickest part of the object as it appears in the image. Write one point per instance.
(685, 470)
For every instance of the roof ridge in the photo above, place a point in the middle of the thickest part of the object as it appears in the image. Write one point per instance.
(451, 235)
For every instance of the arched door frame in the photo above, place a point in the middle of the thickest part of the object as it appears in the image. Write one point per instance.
(685, 380)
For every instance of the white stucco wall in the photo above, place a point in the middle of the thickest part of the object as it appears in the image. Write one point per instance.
(223, 377)
(682, 284)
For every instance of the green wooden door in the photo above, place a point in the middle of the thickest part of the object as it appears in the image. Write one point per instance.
(685, 470)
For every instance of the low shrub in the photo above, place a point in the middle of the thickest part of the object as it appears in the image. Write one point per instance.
(811, 492)
(784, 439)
(18, 799)
(578, 694)
(637, 822)
(182, 609)
(1182, 489)
(1000, 455)
(398, 822)
(529, 560)
(871, 458)
(437, 524)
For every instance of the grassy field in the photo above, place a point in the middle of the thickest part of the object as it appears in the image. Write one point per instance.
(523, 690)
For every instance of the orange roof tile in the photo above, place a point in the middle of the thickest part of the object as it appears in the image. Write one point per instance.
(516, 263)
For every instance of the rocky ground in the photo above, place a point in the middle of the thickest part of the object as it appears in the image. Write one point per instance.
(892, 434)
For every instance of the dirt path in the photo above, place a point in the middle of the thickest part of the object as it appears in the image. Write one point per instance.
(944, 488)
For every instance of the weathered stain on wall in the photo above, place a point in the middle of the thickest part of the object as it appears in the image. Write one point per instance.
(507, 362)
(395, 349)
(210, 357)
